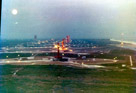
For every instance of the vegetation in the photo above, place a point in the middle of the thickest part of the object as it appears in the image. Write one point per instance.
(63, 79)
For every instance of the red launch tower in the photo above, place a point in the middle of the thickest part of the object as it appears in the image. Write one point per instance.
(58, 53)
(68, 39)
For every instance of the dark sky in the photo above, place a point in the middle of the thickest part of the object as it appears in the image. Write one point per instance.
(77, 18)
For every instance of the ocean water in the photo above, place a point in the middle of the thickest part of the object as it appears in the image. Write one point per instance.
(45, 42)
(74, 43)
(26, 47)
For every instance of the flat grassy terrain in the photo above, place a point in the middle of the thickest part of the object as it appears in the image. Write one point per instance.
(64, 79)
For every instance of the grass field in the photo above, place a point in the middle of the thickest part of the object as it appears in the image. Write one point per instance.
(63, 79)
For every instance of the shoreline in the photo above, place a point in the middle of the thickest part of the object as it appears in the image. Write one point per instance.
(127, 44)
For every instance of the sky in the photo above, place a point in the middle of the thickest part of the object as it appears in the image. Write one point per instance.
(81, 19)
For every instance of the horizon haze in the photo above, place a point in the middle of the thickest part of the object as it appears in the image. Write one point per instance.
(81, 19)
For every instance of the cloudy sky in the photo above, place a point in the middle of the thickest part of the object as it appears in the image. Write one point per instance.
(22, 19)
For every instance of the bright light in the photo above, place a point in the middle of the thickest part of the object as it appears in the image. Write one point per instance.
(71, 50)
(55, 46)
(8, 61)
(60, 48)
(114, 60)
(14, 11)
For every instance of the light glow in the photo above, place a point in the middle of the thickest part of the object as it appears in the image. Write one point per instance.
(14, 12)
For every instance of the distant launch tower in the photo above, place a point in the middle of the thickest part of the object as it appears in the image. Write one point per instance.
(35, 37)
(68, 39)
(122, 43)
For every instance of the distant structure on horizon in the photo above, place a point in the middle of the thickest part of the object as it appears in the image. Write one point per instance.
(35, 37)
(122, 43)
(68, 39)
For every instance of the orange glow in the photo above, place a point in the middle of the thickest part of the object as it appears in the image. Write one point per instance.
(60, 47)
(64, 48)
(71, 50)
(63, 44)
(55, 46)
(122, 43)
